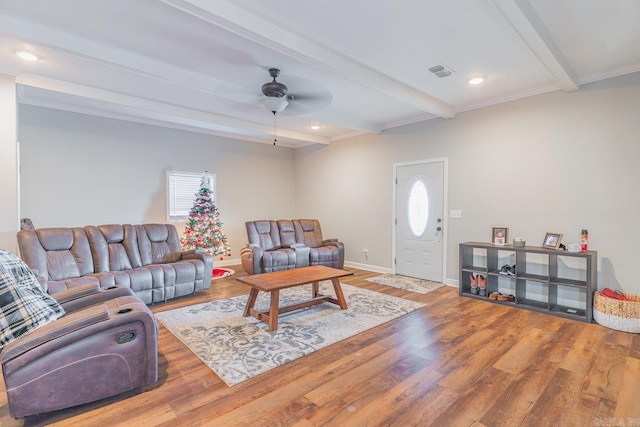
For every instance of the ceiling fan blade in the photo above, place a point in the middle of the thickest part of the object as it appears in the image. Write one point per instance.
(308, 102)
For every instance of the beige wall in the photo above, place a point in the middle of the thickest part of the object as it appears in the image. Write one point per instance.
(557, 162)
(79, 170)
(9, 216)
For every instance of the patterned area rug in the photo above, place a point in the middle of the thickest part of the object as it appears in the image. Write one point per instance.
(407, 283)
(238, 348)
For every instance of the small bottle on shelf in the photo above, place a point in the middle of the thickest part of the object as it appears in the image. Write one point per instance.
(584, 240)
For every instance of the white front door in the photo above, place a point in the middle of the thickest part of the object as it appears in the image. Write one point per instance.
(419, 221)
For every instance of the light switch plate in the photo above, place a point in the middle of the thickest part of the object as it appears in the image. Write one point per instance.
(455, 213)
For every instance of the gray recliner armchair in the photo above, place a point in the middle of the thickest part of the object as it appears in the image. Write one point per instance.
(105, 344)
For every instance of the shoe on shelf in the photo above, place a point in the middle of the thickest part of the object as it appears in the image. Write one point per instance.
(482, 284)
(495, 295)
(505, 269)
(511, 271)
(474, 284)
(502, 298)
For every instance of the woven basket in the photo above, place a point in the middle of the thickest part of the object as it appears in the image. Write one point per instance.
(616, 314)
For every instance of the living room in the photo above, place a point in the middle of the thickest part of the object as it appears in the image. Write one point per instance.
(557, 161)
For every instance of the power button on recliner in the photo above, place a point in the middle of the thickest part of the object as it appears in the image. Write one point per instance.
(124, 337)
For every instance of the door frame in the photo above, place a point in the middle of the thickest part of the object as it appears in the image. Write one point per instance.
(445, 209)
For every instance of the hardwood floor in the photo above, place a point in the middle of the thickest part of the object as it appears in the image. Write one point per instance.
(455, 362)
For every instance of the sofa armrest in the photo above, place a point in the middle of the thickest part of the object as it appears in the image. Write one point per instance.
(251, 256)
(89, 298)
(76, 292)
(57, 286)
(206, 258)
(340, 246)
(63, 326)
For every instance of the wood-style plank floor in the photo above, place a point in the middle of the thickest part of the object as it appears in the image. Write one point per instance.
(455, 362)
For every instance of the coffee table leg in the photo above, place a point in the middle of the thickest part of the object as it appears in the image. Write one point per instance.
(315, 289)
(273, 310)
(253, 294)
(339, 295)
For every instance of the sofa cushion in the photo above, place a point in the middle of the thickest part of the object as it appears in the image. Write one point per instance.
(326, 255)
(264, 234)
(287, 233)
(158, 243)
(308, 231)
(281, 259)
(24, 306)
(56, 253)
(114, 247)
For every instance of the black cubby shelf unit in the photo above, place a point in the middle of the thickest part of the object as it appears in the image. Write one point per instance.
(549, 281)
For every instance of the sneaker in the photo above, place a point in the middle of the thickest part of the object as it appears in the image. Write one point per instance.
(505, 269)
(511, 271)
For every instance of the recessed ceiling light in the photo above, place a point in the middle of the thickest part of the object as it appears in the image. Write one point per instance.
(476, 80)
(315, 126)
(27, 56)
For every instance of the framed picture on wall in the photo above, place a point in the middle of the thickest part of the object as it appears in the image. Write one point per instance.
(499, 235)
(552, 240)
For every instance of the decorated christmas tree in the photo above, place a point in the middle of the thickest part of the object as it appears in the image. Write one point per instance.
(204, 228)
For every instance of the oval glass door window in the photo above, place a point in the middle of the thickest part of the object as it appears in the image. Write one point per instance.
(418, 212)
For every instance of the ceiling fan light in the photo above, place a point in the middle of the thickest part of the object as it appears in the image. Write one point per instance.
(275, 104)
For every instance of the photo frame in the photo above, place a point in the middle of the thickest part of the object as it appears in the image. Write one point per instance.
(552, 240)
(499, 235)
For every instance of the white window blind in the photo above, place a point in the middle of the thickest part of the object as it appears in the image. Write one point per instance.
(182, 188)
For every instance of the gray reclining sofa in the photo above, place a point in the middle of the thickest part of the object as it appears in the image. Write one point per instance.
(288, 244)
(146, 258)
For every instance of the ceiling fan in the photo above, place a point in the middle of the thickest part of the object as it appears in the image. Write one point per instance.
(277, 97)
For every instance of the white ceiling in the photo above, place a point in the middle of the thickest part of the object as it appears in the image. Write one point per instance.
(353, 67)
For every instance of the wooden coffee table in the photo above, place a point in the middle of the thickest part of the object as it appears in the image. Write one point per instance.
(274, 282)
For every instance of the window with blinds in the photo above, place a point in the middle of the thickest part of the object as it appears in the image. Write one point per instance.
(182, 188)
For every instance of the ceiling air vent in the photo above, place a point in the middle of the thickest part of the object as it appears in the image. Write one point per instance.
(441, 70)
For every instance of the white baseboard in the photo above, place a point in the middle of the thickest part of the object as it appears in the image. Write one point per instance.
(368, 267)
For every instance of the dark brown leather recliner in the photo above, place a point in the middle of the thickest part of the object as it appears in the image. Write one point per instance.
(104, 345)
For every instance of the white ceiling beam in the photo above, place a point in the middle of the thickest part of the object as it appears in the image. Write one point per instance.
(68, 44)
(240, 21)
(526, 22)
(96, 100)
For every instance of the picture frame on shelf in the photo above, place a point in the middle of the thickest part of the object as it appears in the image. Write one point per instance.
(499, 235)
(552, 240)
